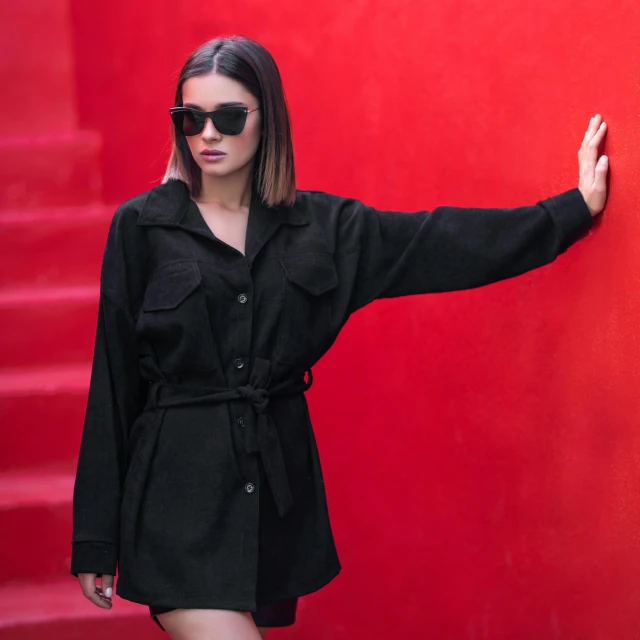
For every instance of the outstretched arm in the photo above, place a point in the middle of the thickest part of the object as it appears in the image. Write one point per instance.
(386, 254)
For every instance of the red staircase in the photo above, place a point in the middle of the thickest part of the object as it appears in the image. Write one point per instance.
(53, 227)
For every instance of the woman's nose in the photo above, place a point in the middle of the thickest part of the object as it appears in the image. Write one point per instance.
(209, 130)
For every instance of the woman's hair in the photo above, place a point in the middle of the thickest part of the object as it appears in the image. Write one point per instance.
(249, 63)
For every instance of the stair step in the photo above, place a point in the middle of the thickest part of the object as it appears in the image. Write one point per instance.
(44, 380)
(35, 488)
(44, 325)
(36, 507)
(53, 170)
(57, 610)
(53, 246)
(43, 412)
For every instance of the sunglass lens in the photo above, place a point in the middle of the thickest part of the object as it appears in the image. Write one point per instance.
(191, 126)
(230, 121)
(185, 123)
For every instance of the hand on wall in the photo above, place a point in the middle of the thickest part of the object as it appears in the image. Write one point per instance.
(593, 170)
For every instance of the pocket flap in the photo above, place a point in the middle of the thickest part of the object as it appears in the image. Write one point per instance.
(171, 285)
(314, 272)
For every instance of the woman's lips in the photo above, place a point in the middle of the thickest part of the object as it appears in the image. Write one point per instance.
(211, 156)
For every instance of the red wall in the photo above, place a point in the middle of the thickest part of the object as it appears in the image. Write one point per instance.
(484, 484)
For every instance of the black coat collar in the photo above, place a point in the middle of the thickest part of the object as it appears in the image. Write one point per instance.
(170, 204)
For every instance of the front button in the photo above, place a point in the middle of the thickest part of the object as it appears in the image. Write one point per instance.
(239, 363)
(242, 298)
(241, 421)
(249, 488)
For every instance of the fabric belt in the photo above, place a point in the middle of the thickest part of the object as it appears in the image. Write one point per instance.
(260, 431)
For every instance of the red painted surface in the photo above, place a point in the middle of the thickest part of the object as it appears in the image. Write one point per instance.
(481, 486)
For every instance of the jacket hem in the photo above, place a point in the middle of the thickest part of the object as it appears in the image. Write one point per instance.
(176, 602)
(203, 601)
(302, 590)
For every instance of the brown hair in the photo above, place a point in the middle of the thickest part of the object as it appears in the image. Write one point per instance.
(249, 63)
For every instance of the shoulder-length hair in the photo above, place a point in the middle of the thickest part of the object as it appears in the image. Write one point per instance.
(249, 63)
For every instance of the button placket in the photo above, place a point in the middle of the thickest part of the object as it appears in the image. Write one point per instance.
(239, 371)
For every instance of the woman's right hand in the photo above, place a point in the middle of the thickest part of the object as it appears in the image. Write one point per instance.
(99, 595)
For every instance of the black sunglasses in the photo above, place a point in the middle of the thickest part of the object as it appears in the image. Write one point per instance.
(229, 121)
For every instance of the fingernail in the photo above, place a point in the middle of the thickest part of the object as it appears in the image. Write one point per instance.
(108, 591)
(605, 159)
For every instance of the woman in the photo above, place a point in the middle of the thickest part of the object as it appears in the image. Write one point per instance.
(198, 471)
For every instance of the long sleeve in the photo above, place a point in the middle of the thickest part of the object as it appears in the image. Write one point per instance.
(451, 248)
(116, 397)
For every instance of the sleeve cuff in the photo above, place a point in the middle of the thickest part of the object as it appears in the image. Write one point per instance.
(93, 557)
(570, 212)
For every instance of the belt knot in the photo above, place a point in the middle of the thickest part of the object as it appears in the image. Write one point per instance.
(259, 398)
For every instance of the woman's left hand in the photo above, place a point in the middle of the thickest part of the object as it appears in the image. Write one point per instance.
(593, 170)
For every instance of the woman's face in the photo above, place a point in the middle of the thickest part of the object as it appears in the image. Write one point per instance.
(206, 93)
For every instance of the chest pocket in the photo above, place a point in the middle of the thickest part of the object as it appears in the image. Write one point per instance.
(175, 321)
(306, 324)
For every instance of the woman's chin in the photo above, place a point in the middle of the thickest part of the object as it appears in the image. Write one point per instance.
(211, 170)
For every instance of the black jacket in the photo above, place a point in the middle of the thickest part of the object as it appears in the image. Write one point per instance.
(198, 470)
